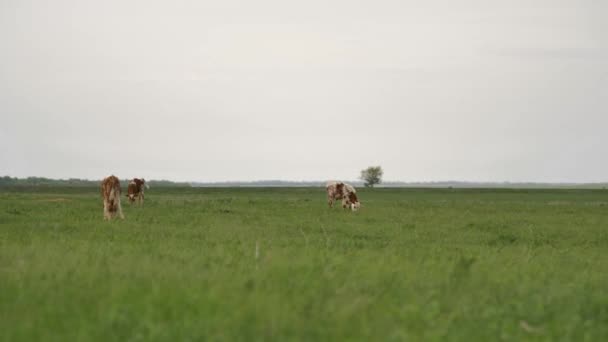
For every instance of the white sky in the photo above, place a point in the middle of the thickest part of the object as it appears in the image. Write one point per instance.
(310, 90)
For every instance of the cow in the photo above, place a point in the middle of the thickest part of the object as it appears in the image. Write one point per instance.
(110, 192)
(135, 190)
(342, 191)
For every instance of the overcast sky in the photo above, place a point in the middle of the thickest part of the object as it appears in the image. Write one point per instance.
(310, 90)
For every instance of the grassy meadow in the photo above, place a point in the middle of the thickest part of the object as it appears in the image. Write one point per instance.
(248, 264)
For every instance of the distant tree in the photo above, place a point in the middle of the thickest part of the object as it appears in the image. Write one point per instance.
(372, 176)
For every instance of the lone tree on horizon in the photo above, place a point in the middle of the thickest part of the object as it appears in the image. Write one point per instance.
(372, 176)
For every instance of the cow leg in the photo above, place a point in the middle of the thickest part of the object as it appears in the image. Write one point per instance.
(106, 211)
(330, 202)
(344, 203)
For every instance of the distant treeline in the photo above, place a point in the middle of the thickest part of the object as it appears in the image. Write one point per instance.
(393, 184)
(7, 181)
(75, 182)
(261, 183)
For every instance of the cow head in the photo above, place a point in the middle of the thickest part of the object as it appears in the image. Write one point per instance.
(353, 201)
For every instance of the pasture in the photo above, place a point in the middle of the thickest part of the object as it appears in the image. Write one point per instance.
(277, 264)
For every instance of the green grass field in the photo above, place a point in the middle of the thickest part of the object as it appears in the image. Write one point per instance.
(459, 265)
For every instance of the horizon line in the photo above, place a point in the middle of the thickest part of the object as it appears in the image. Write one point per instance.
(323, 181)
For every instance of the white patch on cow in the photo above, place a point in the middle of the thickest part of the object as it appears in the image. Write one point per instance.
(349, 188)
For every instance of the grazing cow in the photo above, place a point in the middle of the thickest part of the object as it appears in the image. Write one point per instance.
(344, 192)
(110, 191)
(135, 190)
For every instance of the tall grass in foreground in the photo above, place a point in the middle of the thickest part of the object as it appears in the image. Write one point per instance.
(277, 264)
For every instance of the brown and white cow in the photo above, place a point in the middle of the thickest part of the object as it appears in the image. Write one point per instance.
(342, 191)
(135, 190)
(110, 192)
